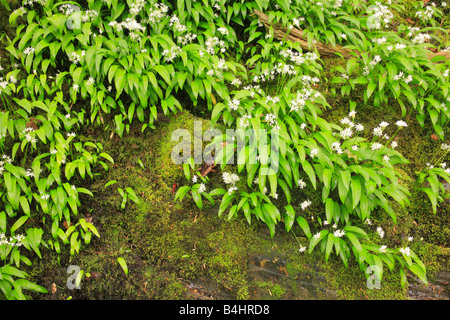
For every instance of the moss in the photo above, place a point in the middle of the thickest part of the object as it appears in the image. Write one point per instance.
(274, 289)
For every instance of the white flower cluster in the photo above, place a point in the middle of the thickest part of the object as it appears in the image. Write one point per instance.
(89, 15)
(406, 251)
(213, 43)
(298, 103)
(380, 232)
(32, 2)
(2, 162)
(296, 21)
(254, 89)
(234, 104)
(339, 233)
(398, 76)
(202, 188)
(271, 119)
(418, 37)
(186, 38)
(157, 13)
(397, 46)
(29, 135)
(336, 146)
(75, 57)
(305, 204)
(230, 178)
(3, 84)
(244, 122)
(28, 50)
(301, 184)
(15, 241)
(236, 82)
(380, 14)
(20, 11)
(131, 25)
(67, 9)
(427, 13)
(136, 7)
(175, 22)
(298, 57)
(171, 54)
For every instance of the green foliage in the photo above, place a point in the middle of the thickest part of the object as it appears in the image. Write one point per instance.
(109, 63)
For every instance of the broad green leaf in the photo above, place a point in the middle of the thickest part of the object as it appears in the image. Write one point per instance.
(123, 264)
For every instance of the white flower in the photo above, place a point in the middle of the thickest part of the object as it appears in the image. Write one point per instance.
(405, 251)
(90, 81)
(302, 249)
(53, 151)
(233, 104)
(394, 144)
(378, 131)
(75, 87)
(376, 146)
(231, 189)
(384, 124)
(380, 232)
(71, 134)
(355, 147)
(314, 152)
(339, 233)
(301, 184)
(383, 249)
(346, 133)
(202, 188)
(230, 178)
(401, 123)
(317, 236)
(28, 50)
(359, 127)
(305, 204)
(386, 158)
(410, 238)
(194, 179)
(45, 197)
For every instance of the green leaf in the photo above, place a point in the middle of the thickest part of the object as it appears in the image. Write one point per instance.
(432, 197)
(310, 172)
(123, 264)
(356, 191)
(30, 285)
(19, 223)
(419, 272)
(163, 72)
(314, 241)
(305, 227)
(197, 198)
(354, 240)
(329, 246)
(289, 218)
(132, 195)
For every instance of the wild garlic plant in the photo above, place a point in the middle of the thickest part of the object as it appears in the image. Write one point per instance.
(430, 179)
(400, 68)
(134, 59)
